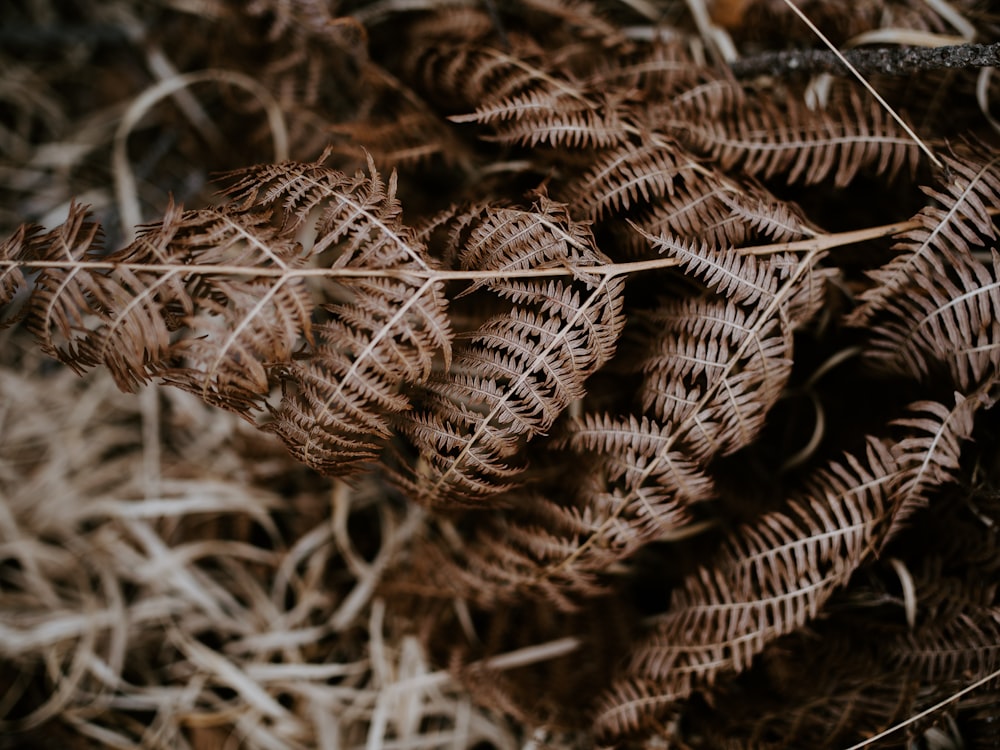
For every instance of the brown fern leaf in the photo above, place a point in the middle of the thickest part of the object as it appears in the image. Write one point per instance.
(949, 230)
(511, 239)
(245, 325)
(409, 140)
(715, 367)
(583, 18)
(714, 372)
(947, 319)
(453, 59)
(741, 279)
(764, 139)
(631, 706)
(500, 562)
(709, 209)
(643, 475)
(398, 129)
(638, 487)
(698, 213)
(146, 311)
(695, 214)
(216, 302)
(520, 369)
(560, 546)
(769, 579)
(656, 71)
(623, 447)
(758, 213)
(335, 411)
(57, 307)
(338, 400)
(945, 653)
(534, 120)
(956, 634)
(627, 175)
(928, 453)
(816, 688)
(514, 91)
(360, 215)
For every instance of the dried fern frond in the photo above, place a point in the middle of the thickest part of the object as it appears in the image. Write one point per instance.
(641, 486)
(714, 368)
(708, 208)
(583, 18)
(631, 706)
(338, 399)
(409, 140)
(144, 312)
(398, 128)
(944, 651)
(765, 139)
(545, 110)
(644, 474)
(622, 448)
(589, 124)
(954, 630)
(505, 559)
(949, 229)
(454, 58)
(769, 578)
(934, 308)
(216, 302)
(726, 272)
(13, 285)
(817, 688)
(715, 372)
(544, 456)
(628, 175)
(928, 455)
(513, 91)
(521, 369)
(657, 70)
(559, 544)
(946, 319)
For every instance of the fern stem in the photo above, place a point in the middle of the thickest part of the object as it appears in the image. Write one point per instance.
(836, 239)
(819, 242)
(610, 269)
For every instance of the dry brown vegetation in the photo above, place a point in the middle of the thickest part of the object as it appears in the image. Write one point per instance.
(536, 373)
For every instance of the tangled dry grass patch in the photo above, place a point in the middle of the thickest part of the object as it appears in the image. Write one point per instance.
(159, 590)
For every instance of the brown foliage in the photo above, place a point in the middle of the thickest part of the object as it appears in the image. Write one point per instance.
(578, 346)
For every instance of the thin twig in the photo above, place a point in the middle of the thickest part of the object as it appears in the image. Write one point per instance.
(927, 712)
(893, 61)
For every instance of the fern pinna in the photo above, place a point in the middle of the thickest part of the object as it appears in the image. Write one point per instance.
(584, 348)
